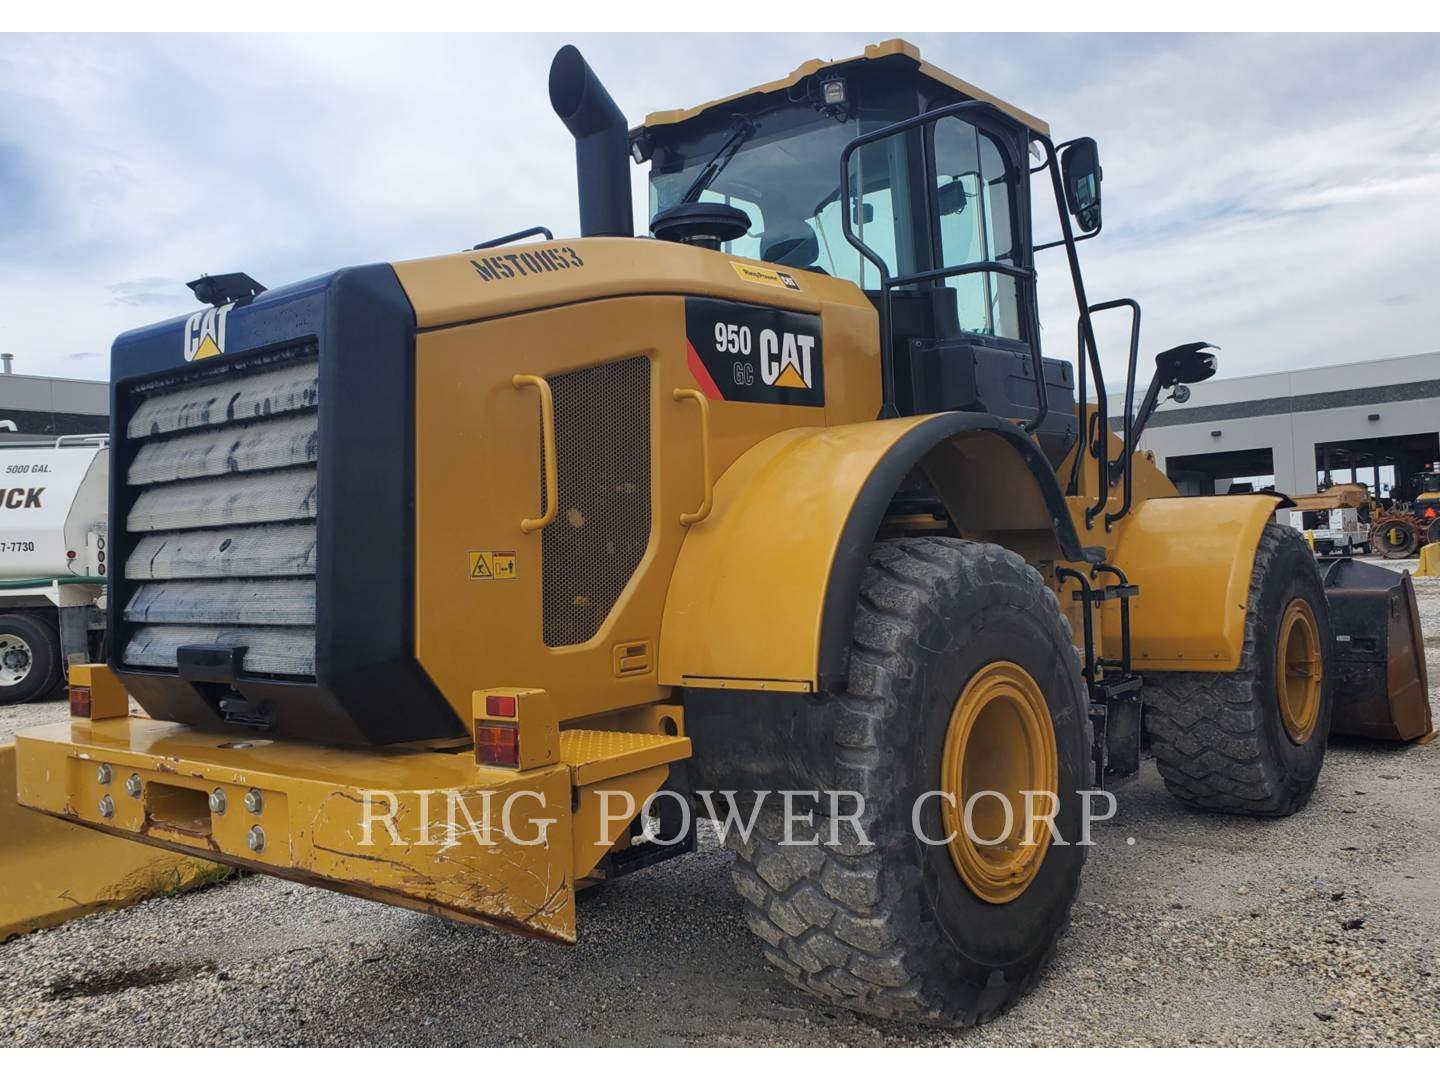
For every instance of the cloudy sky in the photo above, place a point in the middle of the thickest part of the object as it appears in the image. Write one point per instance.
(1277, 195)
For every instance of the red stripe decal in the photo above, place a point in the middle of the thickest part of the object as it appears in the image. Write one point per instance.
(702, 376)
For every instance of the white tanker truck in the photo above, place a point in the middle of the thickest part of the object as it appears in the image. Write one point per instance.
(52, 560)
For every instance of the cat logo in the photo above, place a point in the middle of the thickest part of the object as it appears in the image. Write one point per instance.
(205, 333)
(785, 359)
(754, 353)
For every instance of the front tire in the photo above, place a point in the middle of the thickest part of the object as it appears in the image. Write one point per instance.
(1252, 741)
(955, 644)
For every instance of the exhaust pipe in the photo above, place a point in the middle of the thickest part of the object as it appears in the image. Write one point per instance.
(602, 151)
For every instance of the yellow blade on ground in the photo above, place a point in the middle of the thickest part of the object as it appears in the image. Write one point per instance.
(54, 871)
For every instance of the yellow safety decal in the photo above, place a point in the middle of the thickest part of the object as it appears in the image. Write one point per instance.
(759, 275)
(492, 565)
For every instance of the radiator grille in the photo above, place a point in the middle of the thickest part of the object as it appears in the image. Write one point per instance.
(222, 492)
(591, 550)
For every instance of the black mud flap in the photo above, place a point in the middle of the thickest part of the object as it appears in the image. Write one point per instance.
(1381, 687)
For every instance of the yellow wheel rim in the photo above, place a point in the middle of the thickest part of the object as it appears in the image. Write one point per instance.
(1299, 671)
(1001, 741)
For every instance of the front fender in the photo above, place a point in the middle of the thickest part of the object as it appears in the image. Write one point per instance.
(1191, 556)
(763, 594)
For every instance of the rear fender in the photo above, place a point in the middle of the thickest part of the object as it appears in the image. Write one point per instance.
(764, 590)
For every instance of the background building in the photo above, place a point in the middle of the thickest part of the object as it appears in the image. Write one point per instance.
(1377, 422)
(38, 405)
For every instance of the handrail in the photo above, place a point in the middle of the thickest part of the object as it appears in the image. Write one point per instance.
(1125, 589)
(1068, 239)
(1104, 467)
(547, 451)
(689, 393)
(1086, 596)
(1127, 452)
(510, 238)
(888, 283)
(1101, 420)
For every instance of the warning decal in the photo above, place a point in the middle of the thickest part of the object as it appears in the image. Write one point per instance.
(492, 565)
(746, 352)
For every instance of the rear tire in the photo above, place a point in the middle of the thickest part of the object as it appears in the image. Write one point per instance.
(1223, 741)
(29, 658)
(1432, 531)
(891, 928)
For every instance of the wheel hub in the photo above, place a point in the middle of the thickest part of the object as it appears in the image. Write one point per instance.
(15, 660)
(999, 745)
(1299, 671)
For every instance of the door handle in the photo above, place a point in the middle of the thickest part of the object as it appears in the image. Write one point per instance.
(696, 396)
(547, 451)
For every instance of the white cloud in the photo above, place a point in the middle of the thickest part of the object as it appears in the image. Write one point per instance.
(1272, 194)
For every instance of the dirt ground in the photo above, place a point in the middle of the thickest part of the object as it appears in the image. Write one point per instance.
(1191, 929)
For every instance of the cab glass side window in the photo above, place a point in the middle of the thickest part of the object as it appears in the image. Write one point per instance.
(973, 185)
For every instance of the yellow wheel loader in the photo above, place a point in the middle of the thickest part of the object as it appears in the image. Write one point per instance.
(469, 582)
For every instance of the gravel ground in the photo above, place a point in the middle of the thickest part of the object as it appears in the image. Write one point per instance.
(1321, 929)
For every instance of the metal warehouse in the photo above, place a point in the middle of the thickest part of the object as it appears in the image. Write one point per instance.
(1375, 422)
(42, 405)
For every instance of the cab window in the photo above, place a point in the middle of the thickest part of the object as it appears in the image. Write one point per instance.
(972, 197)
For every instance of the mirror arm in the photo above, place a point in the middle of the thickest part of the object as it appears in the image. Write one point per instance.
(1059, 243)
(1147, 409)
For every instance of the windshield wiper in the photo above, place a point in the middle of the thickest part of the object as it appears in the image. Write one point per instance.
(744, 128)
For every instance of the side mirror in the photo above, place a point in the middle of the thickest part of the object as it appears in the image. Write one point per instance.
(1175, 369)
(1080, 167)
(1184, 364)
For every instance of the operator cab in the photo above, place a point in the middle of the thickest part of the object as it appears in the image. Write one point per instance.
(760, 176)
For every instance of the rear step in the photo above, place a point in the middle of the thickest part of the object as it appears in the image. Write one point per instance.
(419, 827)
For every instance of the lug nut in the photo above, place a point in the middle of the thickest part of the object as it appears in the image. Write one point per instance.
(133, 787)
(254, 801)
(107, 807)
(102, 774)
(256, 838)
(217, 801)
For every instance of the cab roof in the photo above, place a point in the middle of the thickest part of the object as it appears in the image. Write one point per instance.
(886, 49)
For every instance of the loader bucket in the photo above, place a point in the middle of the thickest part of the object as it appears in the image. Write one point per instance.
(1381, 688)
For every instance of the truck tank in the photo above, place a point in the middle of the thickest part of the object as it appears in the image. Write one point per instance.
(53, 509)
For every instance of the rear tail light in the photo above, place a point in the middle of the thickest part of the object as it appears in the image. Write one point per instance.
(80, 701)
(499, 705)
(498, 744)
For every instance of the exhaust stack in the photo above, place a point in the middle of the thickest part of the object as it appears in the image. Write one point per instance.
(602, 153)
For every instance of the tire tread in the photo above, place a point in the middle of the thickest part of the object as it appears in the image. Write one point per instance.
(824, 918)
